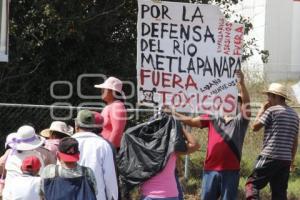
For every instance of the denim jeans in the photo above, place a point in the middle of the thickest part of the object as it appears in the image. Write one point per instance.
(222, 184)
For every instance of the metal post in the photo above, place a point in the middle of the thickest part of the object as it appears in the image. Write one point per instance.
(186, 167)
(187, 160)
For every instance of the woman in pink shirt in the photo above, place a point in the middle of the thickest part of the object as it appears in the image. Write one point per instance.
(114, 113)
(163, 186)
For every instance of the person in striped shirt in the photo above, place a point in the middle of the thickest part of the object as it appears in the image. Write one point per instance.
(281, 127)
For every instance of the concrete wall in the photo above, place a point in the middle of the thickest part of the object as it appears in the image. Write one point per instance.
(295, 46)
(282, 39)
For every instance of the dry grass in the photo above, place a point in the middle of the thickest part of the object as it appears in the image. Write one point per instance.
(252, 147)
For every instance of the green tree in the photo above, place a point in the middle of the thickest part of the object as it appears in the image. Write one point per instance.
(58, 40)
(54, 40)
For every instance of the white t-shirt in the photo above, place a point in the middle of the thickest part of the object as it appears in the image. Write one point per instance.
(23, 187)
(14, 162)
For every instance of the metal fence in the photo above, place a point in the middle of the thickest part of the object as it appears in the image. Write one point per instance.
(12, 116)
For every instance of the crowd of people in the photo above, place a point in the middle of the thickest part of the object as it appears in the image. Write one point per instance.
(97, 158)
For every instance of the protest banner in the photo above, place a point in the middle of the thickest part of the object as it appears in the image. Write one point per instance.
(187, 55)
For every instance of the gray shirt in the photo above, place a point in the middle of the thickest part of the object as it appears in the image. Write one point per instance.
(233, 131)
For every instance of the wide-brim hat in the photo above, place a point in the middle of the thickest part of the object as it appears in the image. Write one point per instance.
(277, 89)
(25, 139)
(114, 84)
(45, 133)
(61, 127)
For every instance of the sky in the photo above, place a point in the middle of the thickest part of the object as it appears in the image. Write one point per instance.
(255, 10)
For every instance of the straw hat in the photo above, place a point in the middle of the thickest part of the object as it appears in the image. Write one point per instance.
(25, 139)
(112, 83)
(61, 127)
(277, 89)
(45, 133)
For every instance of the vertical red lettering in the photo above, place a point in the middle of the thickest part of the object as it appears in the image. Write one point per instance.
(188, 100)
(240, 29)
(166, 79)
(164, 96)
(178, 96)
(203, 103)
(143, 75)
(177, 81)
(215, 100)
(190, 82)
(155, 78)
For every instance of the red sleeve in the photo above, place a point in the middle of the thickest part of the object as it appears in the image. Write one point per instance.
(204, 120)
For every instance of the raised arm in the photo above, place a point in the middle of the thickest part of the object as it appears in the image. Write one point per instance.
(187, 120)
(257, 125)
(192, 143)
(246, 108)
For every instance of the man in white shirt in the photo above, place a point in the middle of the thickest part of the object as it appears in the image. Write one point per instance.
(96, 153)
